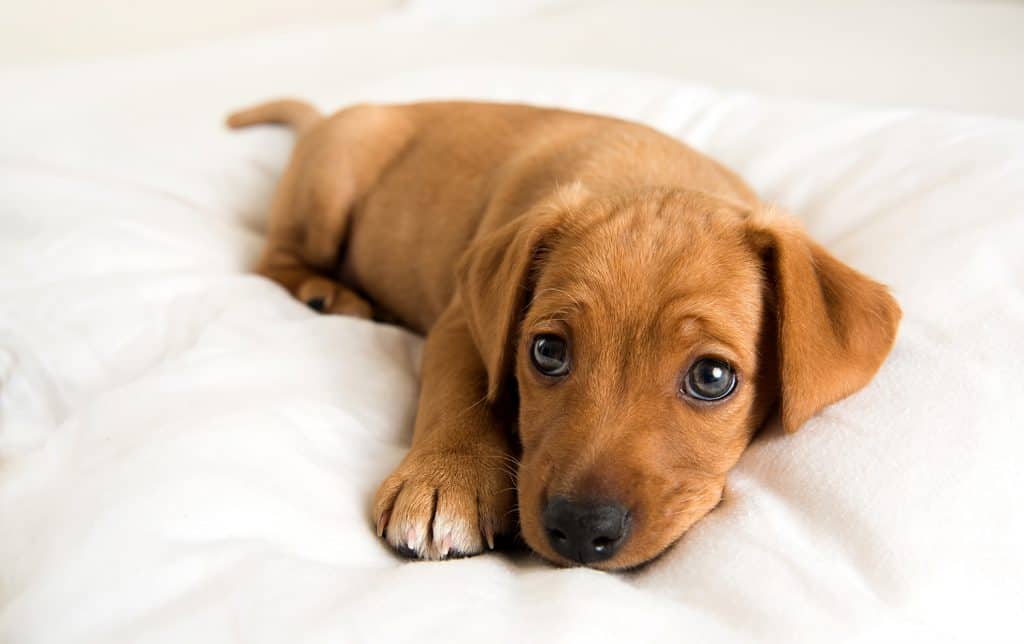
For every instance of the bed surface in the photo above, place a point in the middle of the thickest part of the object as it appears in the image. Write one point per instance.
(187, 454)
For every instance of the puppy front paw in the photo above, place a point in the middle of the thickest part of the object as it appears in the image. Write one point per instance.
(441, 505)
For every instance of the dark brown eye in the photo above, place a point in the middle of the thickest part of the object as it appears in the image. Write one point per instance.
(709, 379)
(550, 355)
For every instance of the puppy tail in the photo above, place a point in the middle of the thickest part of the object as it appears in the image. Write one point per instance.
(299, 115)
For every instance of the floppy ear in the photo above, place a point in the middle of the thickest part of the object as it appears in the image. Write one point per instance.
(495, 279)
(835, 325)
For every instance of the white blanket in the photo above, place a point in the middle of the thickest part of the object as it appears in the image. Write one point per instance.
(187, 454)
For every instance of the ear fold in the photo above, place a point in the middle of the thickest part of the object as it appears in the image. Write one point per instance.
(835, 325)
(495, 280)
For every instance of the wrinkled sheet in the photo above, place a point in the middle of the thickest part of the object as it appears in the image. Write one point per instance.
(188, 455)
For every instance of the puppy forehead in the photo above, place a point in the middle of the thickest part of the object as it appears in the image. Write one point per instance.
(655, 262)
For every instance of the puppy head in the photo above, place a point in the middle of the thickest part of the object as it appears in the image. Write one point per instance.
(646, 338)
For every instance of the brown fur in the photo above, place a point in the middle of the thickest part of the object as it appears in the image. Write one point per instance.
(482, 225)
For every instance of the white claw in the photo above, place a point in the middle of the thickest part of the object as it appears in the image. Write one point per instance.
(445, 545)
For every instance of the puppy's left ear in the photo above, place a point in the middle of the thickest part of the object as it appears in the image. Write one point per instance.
(835, 325)
(495, 279)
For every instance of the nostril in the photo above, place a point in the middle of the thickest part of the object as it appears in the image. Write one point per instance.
(602, 544)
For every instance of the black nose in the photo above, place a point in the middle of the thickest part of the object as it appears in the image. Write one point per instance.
(585, 532)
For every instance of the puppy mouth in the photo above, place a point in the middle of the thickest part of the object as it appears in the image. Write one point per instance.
(597, 533)
(599, 527)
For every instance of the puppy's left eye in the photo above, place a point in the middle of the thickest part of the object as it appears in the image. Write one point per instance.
(709, 379)
(550, 355)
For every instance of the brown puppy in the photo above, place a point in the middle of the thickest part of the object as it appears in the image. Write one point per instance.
(610, 316)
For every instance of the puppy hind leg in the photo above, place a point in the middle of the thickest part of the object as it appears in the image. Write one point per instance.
(308, 224)
(310, 286)
(332, 166)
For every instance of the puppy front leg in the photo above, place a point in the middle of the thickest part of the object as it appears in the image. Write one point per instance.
(455, 489)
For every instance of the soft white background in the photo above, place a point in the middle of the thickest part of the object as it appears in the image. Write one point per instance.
(186, 454)
(964, 55)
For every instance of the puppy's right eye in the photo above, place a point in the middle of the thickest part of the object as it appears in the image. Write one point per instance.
(709, 380)
(550, 355)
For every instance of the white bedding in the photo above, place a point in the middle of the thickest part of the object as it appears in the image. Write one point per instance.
(187, 454)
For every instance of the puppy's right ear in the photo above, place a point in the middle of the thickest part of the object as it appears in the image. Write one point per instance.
(495, 279)
(835, 325)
